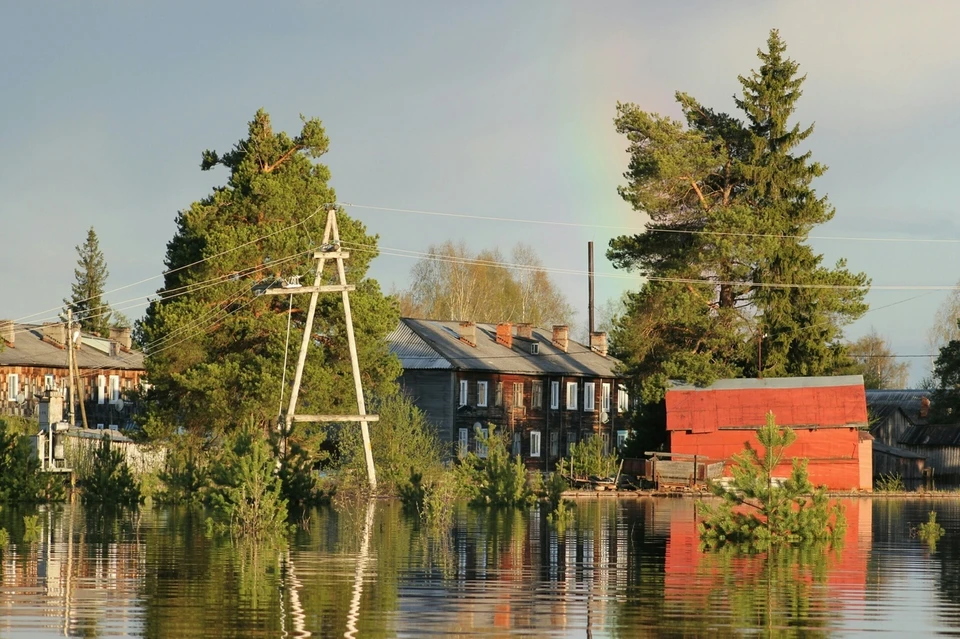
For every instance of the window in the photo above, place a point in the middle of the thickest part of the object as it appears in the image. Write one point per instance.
(464, 443)
(537, 395)
(554, 444)
(481, 437)
(554, 395)
(605, 397)
(99, 426)
(621, 438)
(623, 399)
(114, 388)
(571, 396)
(589, 395)
(516, 444)
(482, 393)
(571, 440)
(13, 387)
(535, 443)
(518, 394)
(49, 382)
(463, 392)
(101, 388)
(498, 397)
(535, 349)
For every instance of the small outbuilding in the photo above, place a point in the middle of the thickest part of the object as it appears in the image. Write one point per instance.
(828, 415)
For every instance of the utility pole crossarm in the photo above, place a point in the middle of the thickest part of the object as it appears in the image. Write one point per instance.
(335, 418)
(329, 288)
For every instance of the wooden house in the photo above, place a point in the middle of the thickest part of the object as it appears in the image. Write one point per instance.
(544, 389)
(34, 359)
(892, 413)
(828, 414)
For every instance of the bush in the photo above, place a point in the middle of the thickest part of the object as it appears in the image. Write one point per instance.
(109, 481)
(404, 444)
(892, 483)
(497, 479)
(185, 475)
(247, 493)
(587, 459)
(20, 478)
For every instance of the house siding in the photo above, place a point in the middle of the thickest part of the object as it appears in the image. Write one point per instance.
(432, 391)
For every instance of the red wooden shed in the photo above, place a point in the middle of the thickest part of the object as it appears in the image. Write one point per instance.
(827, 413)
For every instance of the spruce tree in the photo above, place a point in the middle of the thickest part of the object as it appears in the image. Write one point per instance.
(216, 351)
(86, 294)
(732, 287)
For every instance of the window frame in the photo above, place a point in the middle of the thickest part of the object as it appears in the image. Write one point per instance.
(623, 399)
(555, 395)
(13, 386)
(464, 393)
(498, 394)
(463, 442)
(482, 449)
(535, 441)
(589, 396)
(536, 395)
(113, 385)
(482, 394)
(101, 389)
(49, 382)
(571, 402)
(605, 397)
(518, 397)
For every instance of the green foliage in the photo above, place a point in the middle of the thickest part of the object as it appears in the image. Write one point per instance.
(32, 530)
(86, 293)
(587, 459)
(730, 203)
(945, 399)
(562, 516)
(498, 479)
(264, 223)
(20, 478)
(554, 488)
(523, 293)
(930, 531)
(758, 511)
(4, 539)
(404, 444)
(247, 495)
(109, 481)
(892, 483)
(433, 501)
(185, 476)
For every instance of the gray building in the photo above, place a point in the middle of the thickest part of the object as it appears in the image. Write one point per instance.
(546, 390)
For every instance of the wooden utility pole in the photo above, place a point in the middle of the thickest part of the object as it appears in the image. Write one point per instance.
(73, 389)
(329, 250)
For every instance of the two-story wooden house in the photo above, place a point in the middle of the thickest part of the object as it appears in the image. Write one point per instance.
(544, 389)
(34, 359)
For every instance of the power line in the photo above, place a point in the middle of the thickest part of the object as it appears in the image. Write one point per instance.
(644, 228)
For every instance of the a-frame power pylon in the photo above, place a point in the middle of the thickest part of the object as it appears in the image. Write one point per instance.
(329, 250)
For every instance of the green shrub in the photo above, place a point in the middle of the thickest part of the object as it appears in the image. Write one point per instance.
(587, 459)
(185, 476)
(403, 442)
(32, 530)
(931, 531)
(109, 481)
(247, 493)
(20, 478)
(498, 479)
(892, 483)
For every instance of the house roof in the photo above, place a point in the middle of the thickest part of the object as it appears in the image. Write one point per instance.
(435, 344)
(884, 403)
(30, 349)
(931, 435)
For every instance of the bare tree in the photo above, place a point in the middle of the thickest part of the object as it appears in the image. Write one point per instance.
(877, 363)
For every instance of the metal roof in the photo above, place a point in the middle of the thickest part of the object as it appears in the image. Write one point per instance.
(434, 339)
(880, 447)
(884, 403)
(931, 435)
(772, 383)
(29, 349)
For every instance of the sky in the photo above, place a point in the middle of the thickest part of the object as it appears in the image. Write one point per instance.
(493, 109)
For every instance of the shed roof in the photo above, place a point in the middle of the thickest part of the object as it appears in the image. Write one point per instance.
(931, 435)
(426, 344)
(884, 403)
(772, 383)
(29, 349)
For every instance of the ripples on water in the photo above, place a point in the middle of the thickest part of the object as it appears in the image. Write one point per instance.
(627, 567)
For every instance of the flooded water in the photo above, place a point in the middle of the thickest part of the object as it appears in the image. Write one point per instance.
(625, 568)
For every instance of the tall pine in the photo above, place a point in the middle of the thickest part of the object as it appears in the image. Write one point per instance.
(733, 289)
(215, 351)
(86, 293)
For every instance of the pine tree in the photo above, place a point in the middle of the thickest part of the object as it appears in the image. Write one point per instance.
(730, 205)
(86, 294)
(215, 351)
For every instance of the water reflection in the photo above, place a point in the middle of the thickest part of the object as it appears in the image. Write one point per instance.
(627, 567)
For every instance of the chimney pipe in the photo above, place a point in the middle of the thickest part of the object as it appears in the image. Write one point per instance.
(525, 330)
(7, 331)
(560, 339)
(122, 336)
(505, 334)
(598, 343)
(924, 407)
(590, 285)
(468, 333)
(55, 333)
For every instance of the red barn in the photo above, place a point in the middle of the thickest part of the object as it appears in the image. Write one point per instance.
(827, 413)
